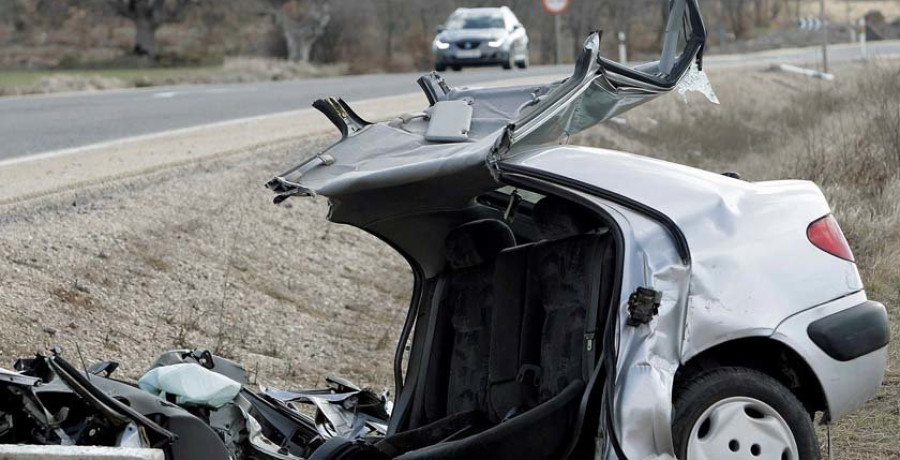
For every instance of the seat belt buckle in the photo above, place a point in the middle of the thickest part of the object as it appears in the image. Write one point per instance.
(529, 374)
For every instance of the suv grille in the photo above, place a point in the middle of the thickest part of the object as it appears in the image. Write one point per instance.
(468, 44)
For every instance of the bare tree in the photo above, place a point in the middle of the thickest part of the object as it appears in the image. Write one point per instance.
(391, 22)
(148, 16)
(301, 23)
(583, 18)
(735, 11)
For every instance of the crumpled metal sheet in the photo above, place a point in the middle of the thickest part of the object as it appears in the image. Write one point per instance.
(648, 355)
(377, 156)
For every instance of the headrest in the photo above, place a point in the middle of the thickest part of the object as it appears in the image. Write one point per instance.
(477, 242)
(557, 218)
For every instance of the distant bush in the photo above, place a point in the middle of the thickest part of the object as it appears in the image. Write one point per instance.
(62, 83)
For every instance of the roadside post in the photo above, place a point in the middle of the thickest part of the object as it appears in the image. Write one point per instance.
(862, 38)
(824, 36)
(556, 8)
(623, 49)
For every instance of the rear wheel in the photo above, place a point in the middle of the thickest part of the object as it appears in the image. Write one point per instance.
(741, 413)
(456, 68)
(440, 67)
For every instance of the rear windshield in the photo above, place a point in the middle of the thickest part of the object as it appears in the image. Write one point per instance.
(475, 21)
(500, 199)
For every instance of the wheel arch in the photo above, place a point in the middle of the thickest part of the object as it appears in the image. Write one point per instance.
(766, 355)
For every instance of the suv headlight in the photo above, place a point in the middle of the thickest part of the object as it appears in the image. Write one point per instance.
(496, 43)
(440, 45)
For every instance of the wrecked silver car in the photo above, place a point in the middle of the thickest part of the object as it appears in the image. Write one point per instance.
(568, 302)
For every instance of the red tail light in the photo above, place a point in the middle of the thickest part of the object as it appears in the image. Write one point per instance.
(826, 235)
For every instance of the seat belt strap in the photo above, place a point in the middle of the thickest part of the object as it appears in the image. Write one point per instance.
(593, 306)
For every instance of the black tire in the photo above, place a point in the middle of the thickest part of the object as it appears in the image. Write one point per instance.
(440, 67)
(456, 68)
(708, 388)
(523, 64)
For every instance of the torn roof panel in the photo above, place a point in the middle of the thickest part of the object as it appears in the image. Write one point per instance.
(372, 157)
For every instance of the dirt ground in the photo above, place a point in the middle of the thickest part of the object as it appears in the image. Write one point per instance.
(197, 254)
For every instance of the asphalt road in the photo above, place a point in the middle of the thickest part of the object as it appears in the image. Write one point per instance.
(41, 124)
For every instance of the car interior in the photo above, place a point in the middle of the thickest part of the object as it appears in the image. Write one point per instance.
(508, 348)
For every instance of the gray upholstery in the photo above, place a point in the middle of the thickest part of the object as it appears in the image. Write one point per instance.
(468, 300)
(509, 309)
(510, 276)
(559, 291)
(563, 280)
(477, 243)
(541, 433)
(557, 218)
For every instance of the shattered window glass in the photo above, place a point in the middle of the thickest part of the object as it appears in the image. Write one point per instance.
(696, 80)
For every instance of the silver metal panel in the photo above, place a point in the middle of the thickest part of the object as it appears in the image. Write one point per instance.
(848, 384)
(752, 264)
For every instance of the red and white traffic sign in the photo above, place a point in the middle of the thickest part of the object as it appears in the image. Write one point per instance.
(556, 6)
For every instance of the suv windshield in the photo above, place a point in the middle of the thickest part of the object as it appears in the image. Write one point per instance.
(475, 21)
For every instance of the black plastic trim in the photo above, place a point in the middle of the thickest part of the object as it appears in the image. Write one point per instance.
(429, 91)
(851, 333)
(81, 385)
(408, 323)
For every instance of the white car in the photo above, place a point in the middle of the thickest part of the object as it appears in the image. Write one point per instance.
(563, 291)
(480, 37)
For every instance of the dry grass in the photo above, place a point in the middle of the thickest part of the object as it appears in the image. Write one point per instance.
(845, 136)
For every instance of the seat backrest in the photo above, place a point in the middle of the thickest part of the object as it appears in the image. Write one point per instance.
(564, 281)
(468, 300)
(510, 276)
(561, 280)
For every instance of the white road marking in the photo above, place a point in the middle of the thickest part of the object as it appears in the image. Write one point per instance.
(143, 137)
(238, 121)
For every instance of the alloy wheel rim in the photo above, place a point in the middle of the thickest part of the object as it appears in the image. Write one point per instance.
(741, 428)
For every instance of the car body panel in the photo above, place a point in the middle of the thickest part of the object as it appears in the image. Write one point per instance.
(740, 236)
(649, 355)
(843, 393)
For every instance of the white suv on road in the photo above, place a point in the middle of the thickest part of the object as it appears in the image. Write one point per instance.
(479, 37)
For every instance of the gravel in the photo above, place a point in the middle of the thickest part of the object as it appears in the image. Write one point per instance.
(198, 256)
